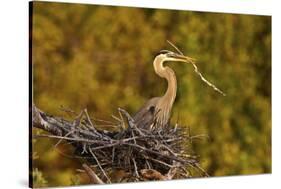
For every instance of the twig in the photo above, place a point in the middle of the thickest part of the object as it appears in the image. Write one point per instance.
(116, 118)
(191, 60)
(155, 152)
(122, 120)
(136, 168)
(77, 120)
(161, 162)
(205, 80)
(92, 175)
(104, 121)
(172, 172)
(69, 133)
(131, 121)
(71, 139)
(39, 122)
(99, 165)
(200, 136)
(89, 120)
(201, 169)
(174, 47)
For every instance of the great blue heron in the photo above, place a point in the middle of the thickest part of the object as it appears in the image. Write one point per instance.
(156, 111)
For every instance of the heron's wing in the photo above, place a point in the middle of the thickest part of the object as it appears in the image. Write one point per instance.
(145, 116)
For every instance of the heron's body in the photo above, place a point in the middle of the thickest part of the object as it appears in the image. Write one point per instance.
(145, 116)
(156, 112)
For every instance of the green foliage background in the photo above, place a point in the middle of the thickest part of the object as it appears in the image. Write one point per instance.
(100, 58)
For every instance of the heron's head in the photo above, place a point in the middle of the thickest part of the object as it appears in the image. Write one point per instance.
(166, 55)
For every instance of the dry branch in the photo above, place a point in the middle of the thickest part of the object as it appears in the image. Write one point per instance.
(92, 175)
(192, 61)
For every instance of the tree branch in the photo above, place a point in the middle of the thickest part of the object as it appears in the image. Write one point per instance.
(92, 175)
(42, 121)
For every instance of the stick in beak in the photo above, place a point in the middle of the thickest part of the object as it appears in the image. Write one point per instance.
(182, 57)
(187, 59)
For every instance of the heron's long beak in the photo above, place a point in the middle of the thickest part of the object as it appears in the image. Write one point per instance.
(182, 58)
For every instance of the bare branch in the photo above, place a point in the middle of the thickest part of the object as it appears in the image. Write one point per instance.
(40, 121)
(92, 175)
(93, 154)
(206, 81)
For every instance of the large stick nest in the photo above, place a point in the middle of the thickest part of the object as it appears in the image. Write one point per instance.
(144, 154)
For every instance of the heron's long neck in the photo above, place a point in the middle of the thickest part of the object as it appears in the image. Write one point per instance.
(169, 75)
(171, 91)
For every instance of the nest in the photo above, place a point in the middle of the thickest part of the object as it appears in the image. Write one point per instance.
(161, 153)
